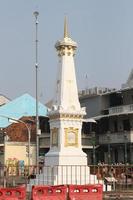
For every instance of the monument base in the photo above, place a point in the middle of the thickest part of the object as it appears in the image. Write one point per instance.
(67, 175)
(55, 158)
(61, 175)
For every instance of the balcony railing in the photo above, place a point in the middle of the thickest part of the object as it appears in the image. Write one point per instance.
(121, 109)
(117, 137)
(89, 140)
(44, 140)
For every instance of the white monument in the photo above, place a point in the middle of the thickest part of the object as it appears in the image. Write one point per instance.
(66, 114)
(65, 163)
(66, 119)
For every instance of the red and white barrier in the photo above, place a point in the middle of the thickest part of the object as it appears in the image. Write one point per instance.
(85, 192)
(15, 193)
(49, 192)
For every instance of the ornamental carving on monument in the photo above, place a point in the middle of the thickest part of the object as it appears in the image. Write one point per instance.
(71, 137)
(54, 134)
(66, 116)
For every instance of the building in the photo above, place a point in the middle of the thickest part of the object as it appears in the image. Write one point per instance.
(15, 137)
(112, 136)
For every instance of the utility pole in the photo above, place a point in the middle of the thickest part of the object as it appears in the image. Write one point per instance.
(36, 13)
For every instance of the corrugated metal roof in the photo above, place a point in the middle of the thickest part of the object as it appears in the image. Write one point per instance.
(24, 105)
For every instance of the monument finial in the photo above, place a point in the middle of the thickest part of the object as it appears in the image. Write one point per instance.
(65, 28)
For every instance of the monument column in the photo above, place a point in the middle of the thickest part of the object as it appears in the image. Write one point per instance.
(66, 114)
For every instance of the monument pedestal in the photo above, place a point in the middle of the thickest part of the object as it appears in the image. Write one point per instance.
(67, 166)
(66, 157)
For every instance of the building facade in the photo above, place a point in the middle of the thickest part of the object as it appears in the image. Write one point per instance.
(112, 134)
(18, 140)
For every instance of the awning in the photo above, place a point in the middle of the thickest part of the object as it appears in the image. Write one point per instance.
(106, 116)
(89, 120)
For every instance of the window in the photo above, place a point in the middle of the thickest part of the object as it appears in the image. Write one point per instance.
(126, 125)
(115, 126)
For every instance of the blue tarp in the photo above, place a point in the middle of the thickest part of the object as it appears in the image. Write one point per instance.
(24, 105)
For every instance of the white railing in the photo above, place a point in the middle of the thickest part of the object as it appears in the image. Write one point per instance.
(121, 109)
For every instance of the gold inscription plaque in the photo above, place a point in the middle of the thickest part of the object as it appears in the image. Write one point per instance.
(71, 137)
(54, 133)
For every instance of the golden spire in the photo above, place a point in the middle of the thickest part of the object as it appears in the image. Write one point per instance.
(65, 28)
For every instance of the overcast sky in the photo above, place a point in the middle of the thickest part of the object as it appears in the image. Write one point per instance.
(103, 30)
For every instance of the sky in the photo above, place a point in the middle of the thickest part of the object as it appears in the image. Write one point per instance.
(103, 30)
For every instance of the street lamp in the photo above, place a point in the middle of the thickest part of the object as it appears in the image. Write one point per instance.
(28, 130)
(36, 13)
